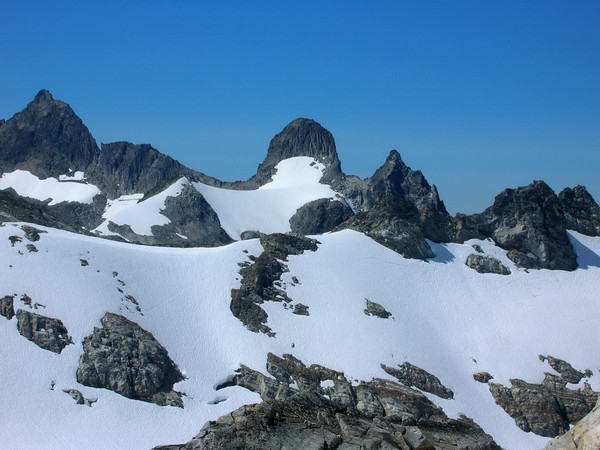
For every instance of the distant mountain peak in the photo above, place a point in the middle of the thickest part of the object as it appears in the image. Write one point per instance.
(303, 137)
(43, 96)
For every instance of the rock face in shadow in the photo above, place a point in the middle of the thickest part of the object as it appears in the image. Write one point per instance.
(486, 264)
(581, 212)
(125, 168)
(394, 223)
(46, 138)
(125, 358)
(375, 414)
(45, 332)
(261, 278)
(320, 216)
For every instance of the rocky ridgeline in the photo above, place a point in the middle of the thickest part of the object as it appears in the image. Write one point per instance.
(327, 411)
(548, 408)
(261, 280)
(396, 206)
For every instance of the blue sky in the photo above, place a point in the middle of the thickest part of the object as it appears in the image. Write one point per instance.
(479, 95)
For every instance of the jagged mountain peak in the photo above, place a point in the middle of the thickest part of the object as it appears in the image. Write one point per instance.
(43, 95)
(47, 138)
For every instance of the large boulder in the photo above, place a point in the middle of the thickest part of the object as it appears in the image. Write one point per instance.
(125, 358)
(45, 332)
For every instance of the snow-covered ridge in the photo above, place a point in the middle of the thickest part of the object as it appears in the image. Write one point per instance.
(269, 208)
(446, 318)
(66, 189)
(139, 215)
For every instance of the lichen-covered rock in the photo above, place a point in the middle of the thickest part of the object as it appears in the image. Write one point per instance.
(486, 264)
(375, 309)
(125, 358)
(7, 307)
(379, 414)
(411, 375)
(300, 309)
(320, 216)
(45, 332)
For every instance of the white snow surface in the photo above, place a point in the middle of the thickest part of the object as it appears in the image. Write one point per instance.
(269, 208)
(72, 176)
(66, 189)
(447, 319)
(139, 215)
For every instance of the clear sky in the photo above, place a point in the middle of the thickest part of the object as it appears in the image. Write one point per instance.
(479, 95)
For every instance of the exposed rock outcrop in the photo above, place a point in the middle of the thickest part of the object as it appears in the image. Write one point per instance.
(550, 407)
(79, 398)
(566, 370)
(546, 409)
(7, 307)
(125, 358)
(486, 264)
(411, 375)
(320, 216)
(375, 414)
(258, 279)
(585, 435)
(45, 332)
(375, 309)
(528, 221)
(581, 212)
(396, 224)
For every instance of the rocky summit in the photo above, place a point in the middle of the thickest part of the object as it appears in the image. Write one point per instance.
(301, 308)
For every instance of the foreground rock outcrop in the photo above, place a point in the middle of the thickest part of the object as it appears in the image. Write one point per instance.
(326, 411)
(585, 435)
(548, 408)
(125, 358)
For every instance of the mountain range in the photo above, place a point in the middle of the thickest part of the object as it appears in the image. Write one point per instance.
(383, 321)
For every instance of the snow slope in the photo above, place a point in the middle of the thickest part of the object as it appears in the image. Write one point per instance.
(66, 190)
(270, 207)
(447, 319)
(139, 215)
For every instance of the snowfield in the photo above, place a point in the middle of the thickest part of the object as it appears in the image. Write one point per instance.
(270, 207)
(65, 189)
(447, 319)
